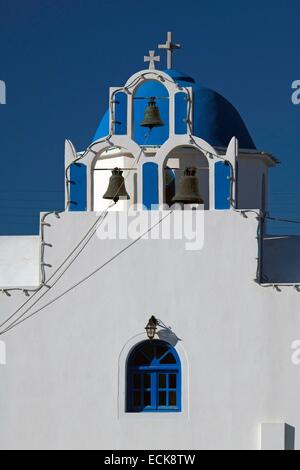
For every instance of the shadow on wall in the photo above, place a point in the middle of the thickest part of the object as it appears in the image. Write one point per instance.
(290, 435)
(166, 334)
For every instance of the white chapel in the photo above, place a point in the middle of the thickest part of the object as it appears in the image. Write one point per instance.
(155, 311)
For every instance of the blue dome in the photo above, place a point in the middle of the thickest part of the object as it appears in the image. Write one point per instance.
(215, 119)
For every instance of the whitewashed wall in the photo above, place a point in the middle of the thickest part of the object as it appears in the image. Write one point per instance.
(19, 261)
(63, 382)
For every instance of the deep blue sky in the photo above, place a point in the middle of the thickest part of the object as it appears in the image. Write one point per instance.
(59, 57)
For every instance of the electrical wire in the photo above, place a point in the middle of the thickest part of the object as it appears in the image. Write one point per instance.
(90, 148)
(107, 139)
(89, 235)
(43, 244)
(279, 219)
(21, 319)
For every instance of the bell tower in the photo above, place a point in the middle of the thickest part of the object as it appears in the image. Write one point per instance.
(171, 140)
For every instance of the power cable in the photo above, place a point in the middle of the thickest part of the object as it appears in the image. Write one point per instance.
(88, 235)
(21, 319)
(132, 84)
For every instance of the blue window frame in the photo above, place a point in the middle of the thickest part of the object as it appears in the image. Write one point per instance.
(153, 378)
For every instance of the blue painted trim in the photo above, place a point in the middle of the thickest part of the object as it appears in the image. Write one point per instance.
(150, 185)
(103, 128)
(180, 113)
(121, 113)
(136, 379)
(78, 187)
(222, 186)
(215, 119)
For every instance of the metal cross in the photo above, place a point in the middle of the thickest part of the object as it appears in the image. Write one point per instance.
(170, 46)
(152, 58)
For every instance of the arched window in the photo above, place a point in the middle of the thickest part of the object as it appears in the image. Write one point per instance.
(153, 378)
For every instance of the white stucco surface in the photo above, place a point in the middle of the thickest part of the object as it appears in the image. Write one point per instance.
(277, 436)
(19, 261)
(63, 385)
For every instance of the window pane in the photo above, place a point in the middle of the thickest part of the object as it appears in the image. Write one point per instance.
(172, 381)
(168, 359)
(148, 351)
(160, 350)
(172, 398)
(162, 382)
(147, 399)
(140, 360)
(136, 398)
(136, 381)
(162, 401)
(147, 381)
(153, 380)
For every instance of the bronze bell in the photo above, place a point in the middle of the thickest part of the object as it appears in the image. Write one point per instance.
(152, 116)
(188, 192)
(116, 188)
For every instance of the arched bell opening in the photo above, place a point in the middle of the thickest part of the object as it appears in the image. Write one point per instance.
(151, 106)
(181, 161)
(107, 183)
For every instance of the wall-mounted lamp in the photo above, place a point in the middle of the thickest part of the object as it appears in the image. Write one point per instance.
(151, 327)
